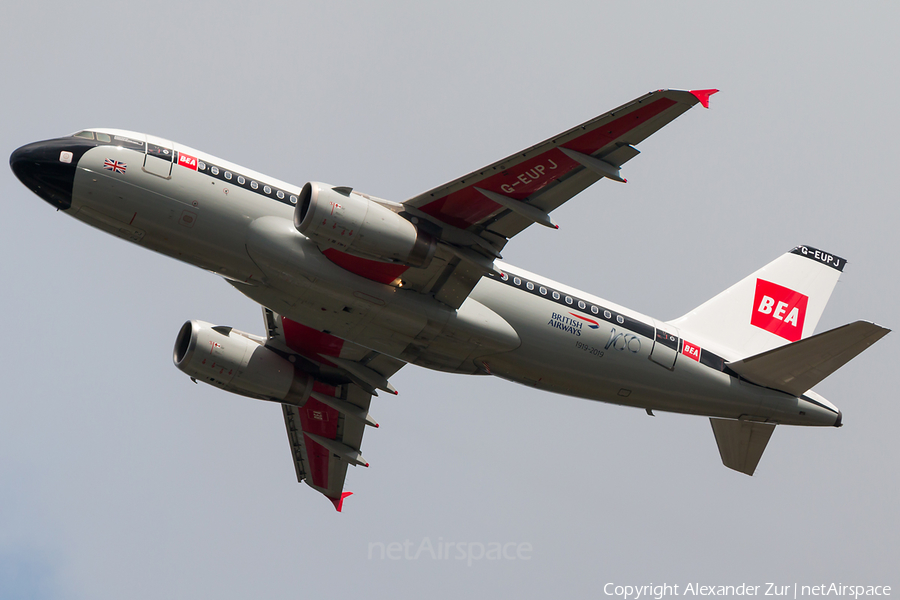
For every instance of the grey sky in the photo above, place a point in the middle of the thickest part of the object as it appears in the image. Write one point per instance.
(121, 479)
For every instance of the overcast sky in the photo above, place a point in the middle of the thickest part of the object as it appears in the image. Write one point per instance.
(121, 479)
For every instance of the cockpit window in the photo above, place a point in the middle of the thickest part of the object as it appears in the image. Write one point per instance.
(91, 135)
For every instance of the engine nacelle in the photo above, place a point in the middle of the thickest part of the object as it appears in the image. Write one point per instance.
(342, 219)
(237, 362)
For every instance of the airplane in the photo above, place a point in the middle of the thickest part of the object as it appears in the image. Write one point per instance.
(353, 287)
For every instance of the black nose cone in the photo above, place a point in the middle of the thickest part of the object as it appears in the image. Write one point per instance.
(48, 168)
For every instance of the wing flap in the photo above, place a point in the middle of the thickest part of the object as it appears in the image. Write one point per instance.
(741, 443)
(798, 366)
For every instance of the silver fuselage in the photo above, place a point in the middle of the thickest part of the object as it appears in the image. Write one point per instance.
(210, 215)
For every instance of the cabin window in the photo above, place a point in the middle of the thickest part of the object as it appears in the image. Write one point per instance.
(556, 295)
(517, 281)
(543, 291)
(280, 194)
(569, 300)
(241, 179)
(228, 175)
(254, 185)
(529, 285)
(267, 189)
(581, 305)
(595, 310)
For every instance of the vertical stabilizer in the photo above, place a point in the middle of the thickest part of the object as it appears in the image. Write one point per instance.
(780, 303)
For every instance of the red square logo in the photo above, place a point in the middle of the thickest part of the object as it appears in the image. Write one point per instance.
(690, 350)
(779, 310)
(186, 160)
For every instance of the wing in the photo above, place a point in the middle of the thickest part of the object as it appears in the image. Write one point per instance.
(474, 216)
(498, 201)
(548, 174)
(326, 432)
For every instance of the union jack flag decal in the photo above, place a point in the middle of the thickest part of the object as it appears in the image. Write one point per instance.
(114, 165)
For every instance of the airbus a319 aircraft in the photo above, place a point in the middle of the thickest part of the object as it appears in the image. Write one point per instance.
(353, 287)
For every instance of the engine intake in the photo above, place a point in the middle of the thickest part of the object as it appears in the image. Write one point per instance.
(237, 362)
(340, 218)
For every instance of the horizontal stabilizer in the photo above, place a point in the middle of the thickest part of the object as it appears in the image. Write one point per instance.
(741, 443)
(797, 367)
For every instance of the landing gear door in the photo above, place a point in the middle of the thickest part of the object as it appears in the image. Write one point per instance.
(158, 157)
(666, 345)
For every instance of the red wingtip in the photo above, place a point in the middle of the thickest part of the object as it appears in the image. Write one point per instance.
(339, 502)
(624, 180)
(557, 226)
(377, 425)
(703, 96)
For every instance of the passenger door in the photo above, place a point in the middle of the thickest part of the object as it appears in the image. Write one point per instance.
(158, 157)
(665, 345)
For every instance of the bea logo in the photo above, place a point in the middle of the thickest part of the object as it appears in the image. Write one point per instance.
(779, 310)
(186, 160)
(690, 350)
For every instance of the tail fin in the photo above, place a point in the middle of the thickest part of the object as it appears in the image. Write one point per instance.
(780, 303)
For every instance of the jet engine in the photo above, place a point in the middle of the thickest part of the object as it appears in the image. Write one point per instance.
(340, 218)
(238, 362)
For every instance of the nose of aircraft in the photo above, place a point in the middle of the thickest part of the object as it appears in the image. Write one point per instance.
(48, 168)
